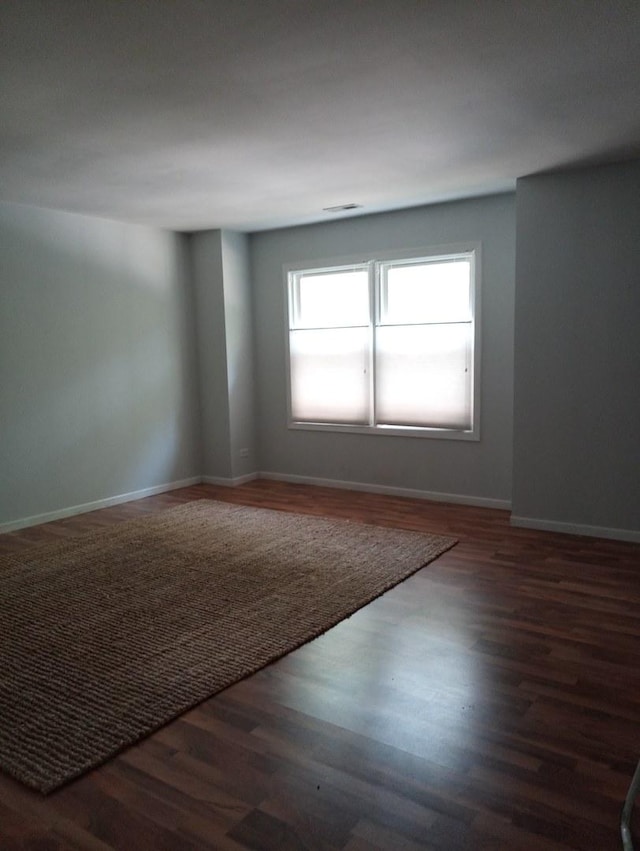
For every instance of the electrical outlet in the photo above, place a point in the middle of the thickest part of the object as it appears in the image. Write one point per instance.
(244, 453)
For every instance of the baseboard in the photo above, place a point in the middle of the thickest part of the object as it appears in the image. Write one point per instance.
(229, 482)
(630, 535)
(434, 496)
(576, 529)
(60, 514)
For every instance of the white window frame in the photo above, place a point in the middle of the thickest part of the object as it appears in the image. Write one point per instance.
(472, 250)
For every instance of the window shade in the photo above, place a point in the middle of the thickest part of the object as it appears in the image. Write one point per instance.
(330, 375)
(423, 375)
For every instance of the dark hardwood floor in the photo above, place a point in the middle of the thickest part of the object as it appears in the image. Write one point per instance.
(491, 701)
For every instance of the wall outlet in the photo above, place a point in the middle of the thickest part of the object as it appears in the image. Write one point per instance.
(244, 453)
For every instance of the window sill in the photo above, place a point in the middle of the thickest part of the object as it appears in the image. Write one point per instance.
(390, 431)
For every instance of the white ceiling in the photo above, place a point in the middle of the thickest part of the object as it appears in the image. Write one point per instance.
(249, 114)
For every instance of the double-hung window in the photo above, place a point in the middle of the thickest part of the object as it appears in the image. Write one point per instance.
(386, 345)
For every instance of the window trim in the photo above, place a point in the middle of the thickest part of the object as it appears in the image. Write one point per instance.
(433, 252)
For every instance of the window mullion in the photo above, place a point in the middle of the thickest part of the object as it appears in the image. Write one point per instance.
(374, 307)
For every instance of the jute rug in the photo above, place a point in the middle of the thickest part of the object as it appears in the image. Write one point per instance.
(106, 637)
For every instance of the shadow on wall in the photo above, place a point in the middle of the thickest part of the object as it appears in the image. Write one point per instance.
(96, 360)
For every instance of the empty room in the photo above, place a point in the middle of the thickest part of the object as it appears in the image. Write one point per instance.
(319, 425)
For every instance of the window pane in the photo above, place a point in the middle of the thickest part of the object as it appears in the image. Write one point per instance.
(426, 292)
(330, 375)
(331, 299)
(423, 376)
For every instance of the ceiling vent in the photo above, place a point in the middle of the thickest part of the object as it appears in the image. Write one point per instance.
(341, 208)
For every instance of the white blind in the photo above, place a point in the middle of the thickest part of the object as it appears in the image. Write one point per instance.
(329, 375)
(423, 375)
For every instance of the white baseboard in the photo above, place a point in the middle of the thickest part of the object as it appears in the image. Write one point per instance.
(631, 535)
(48, 516)
(576, 528)
(435, 496)
(229, 482)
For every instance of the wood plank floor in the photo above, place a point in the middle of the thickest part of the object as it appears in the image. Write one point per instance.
(491, 701)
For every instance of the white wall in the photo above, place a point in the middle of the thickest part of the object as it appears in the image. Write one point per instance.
(577, 356)
(461, 469)
(97, 388)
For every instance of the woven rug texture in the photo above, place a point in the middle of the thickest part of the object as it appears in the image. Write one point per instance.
(108, 636)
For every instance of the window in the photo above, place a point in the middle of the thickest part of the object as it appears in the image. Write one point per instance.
(386, 345)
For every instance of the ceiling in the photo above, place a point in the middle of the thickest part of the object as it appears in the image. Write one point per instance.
(251, 114)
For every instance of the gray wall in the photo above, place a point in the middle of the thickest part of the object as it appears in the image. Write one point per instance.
(207, 272)
(102, 391)
(239, 341)
(481, 470)
(577, 356)
(97, 389)
(220, 268)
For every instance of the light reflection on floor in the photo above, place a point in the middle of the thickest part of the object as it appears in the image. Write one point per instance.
(420, 672)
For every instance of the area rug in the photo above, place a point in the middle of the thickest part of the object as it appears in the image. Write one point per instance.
(108, 636)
